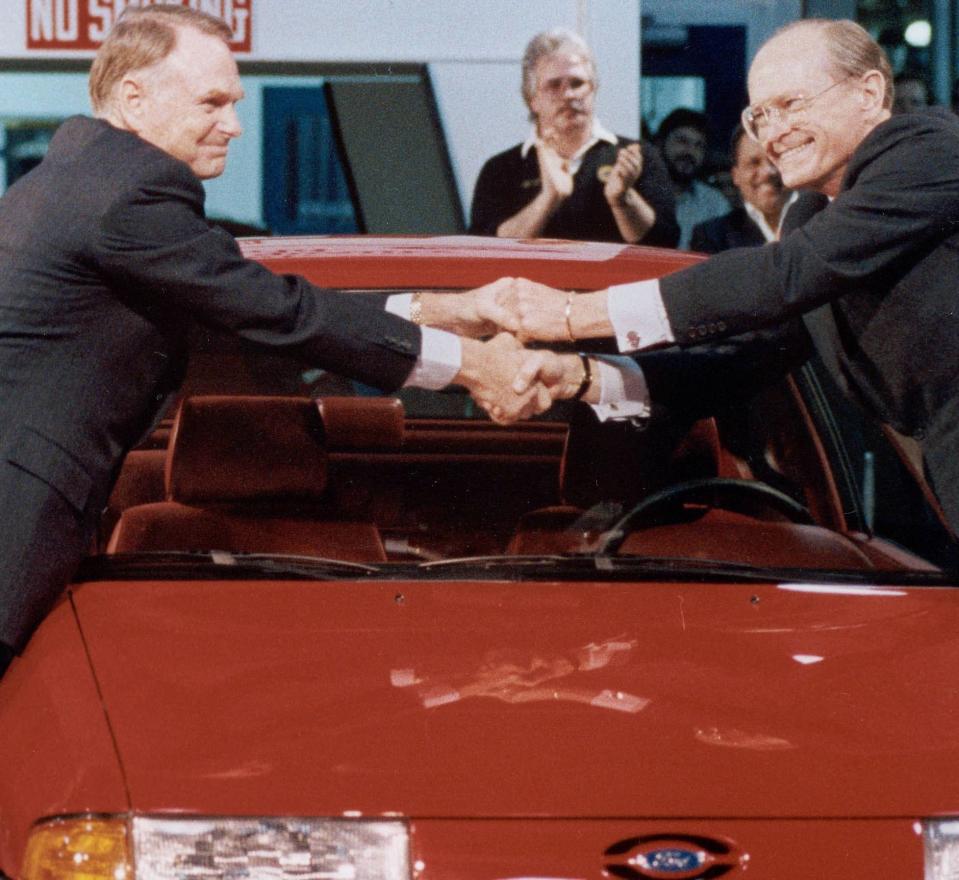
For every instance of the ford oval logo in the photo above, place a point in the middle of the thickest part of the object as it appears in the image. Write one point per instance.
(672, 860)
(672, 857)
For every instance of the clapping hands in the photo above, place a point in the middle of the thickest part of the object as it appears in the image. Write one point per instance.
(625, 172)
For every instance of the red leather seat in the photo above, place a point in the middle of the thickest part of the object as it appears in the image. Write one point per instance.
(247, 475)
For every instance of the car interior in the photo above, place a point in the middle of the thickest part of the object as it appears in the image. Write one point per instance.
(422, 476)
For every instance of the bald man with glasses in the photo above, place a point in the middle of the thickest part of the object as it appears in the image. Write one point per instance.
(870, 278)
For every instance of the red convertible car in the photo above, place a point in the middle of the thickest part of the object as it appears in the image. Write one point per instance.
(331, 635)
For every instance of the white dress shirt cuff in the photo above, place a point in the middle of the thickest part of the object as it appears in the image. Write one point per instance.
(441, 354)
(638, 316)
(623, 390)
(400, 304)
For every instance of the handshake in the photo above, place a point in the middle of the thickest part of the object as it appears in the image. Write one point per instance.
(495, 321)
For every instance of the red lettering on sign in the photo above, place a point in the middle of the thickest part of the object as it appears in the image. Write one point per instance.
(83, 24)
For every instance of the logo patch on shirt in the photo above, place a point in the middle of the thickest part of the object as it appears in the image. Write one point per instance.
(530, 183)
(603, 172)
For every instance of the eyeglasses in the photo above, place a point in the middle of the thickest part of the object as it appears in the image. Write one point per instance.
(787, 111)
(559, 87)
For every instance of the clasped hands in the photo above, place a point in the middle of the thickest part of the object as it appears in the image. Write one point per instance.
(508, 380)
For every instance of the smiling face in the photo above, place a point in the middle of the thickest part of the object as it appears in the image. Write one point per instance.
(813, 149)
(186, 103)
(757, 179)
(562, 101)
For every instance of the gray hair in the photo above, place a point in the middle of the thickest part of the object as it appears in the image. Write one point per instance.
(142, 37)
(852, 51)
(553, 42)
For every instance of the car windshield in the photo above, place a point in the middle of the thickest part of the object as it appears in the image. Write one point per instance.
(266, 467)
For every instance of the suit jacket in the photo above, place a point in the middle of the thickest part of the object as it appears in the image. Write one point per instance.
(105, 256)
(882, 259)
(732, 230)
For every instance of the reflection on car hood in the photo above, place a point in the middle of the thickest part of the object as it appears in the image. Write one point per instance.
(497, 699)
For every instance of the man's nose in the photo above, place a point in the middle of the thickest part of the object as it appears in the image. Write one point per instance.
(230, 122)
(776, 125)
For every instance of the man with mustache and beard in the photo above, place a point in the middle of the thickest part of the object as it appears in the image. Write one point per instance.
(572, 178)
(682, 141)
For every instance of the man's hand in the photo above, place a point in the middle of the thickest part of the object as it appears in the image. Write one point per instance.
(561, 375)
(489, 370)
(531, 310)
(526, 309)
(476, 313)
(625, 172)
(556, 185)
(554, 174)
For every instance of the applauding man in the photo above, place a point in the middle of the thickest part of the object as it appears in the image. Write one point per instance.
(572, 178)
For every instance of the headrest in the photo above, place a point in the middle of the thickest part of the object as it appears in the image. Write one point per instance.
(245, 448)
(362, 422)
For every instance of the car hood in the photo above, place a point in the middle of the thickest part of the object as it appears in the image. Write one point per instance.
(520, 699)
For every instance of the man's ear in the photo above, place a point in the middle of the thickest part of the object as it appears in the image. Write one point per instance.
(873, 91)
(130, 101)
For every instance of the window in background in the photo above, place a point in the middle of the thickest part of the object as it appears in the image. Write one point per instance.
(25, 143)
(660, 95)
(305, 182)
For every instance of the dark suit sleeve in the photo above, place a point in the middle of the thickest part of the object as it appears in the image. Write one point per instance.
(901, 198)
(689, 383)
(654, 186)
(156, 245)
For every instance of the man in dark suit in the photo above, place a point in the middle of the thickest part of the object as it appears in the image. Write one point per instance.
(763, 202)
(105, 256)
(873, 273)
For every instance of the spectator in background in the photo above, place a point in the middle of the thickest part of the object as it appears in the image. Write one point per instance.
(572, 178)
(682, 141)
(911, 93)
(764, 200)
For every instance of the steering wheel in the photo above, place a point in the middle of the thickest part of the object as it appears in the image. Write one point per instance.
(725, 493)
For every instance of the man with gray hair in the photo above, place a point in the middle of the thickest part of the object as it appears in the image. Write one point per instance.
(572, 178)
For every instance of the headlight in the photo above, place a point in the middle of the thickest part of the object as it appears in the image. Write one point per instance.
(217, 849)
(942, 849)
(78, 849)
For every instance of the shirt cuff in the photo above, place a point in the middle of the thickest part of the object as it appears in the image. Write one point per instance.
(400, 304)
(441, 353)
(638, 316)
(441, 356)
(623, 390)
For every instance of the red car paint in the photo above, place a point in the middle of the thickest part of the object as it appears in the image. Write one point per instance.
(525, 727)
